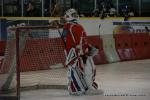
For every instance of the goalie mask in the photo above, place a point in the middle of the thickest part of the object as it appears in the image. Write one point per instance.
(71, 15)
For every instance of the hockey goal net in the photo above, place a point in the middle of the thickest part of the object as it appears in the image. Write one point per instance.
(34, 58)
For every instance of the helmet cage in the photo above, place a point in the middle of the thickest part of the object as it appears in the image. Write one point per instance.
(71, 15)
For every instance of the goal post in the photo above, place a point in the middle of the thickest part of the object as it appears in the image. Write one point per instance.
(35, 50)
(8, 83)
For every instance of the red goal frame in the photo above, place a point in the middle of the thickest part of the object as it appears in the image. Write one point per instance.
(17, 31)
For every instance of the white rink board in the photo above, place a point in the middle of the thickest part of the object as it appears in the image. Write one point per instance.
(91, 26)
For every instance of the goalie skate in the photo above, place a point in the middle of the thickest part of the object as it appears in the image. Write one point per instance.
(94, 92)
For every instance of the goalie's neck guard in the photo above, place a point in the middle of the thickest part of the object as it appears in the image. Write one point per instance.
(74, 21)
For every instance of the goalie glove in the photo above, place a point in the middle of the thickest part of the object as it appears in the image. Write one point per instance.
(92, 51)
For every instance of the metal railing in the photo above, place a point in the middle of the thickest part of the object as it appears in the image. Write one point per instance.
(20, 7)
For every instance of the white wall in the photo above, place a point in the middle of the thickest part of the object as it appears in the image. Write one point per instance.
(91, 26)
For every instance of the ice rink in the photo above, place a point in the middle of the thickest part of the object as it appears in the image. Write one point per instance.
(129, 80)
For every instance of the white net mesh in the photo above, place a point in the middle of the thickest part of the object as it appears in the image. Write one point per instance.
(41, 52)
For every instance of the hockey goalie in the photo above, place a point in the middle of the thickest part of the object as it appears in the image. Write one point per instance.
(81, 69)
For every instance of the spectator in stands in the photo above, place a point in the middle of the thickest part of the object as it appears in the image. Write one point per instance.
(31, 10)
(112, 11)
(131, 13)
(57, 10)
(127, 12)
(96, 13)
(106, 9)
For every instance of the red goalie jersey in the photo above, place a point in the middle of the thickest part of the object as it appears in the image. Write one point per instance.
(75, 36)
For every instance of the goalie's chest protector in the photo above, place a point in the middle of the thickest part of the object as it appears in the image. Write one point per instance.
(74, 33)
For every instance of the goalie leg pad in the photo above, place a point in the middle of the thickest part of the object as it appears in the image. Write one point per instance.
(76, 84)
(89, 71)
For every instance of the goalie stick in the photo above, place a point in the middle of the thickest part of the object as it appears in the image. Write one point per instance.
(64, 42)
(59, 24)
(147, 30)
(62, 38)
